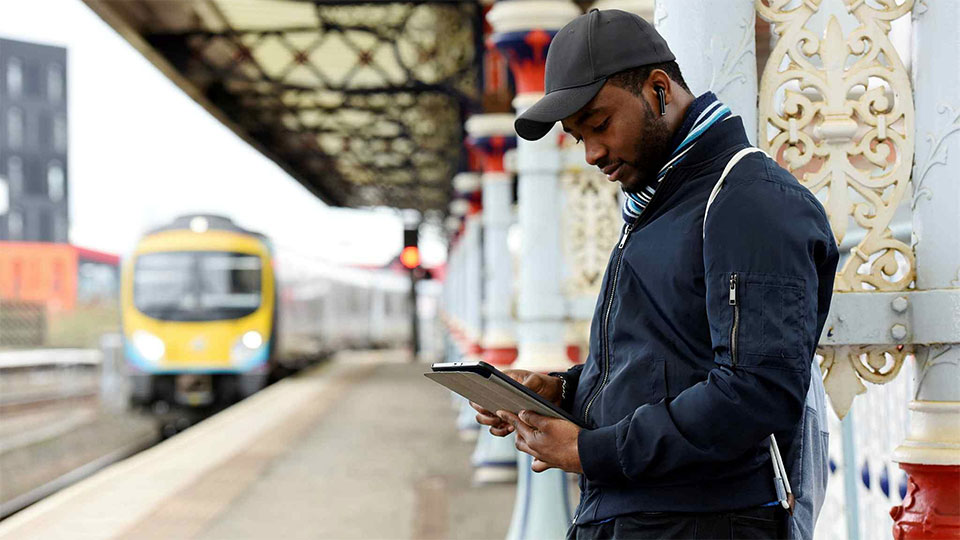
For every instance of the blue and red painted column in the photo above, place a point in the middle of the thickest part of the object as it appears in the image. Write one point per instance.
(523, 30)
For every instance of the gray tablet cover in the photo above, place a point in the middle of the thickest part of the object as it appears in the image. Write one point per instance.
(491, 393)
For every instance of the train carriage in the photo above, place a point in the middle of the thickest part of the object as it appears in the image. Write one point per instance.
(207, 318)
(199, 319)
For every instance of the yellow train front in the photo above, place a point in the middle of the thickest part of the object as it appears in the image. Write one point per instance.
(199, 312)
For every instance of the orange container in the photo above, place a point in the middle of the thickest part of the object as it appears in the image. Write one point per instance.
(44, 272)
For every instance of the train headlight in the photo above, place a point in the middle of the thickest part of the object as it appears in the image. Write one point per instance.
(252, 340)
(199, 224)
(149, 346)
(247, 347)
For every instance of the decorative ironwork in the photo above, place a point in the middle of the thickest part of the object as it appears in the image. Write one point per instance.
(727, 69)
(937, 154)
(846, 367)
(844, 126)
(362, 102)
(591, 222)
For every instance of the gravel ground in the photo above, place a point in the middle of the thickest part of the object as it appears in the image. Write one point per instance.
(84, 438)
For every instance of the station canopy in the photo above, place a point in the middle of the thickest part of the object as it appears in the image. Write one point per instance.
(363, 103)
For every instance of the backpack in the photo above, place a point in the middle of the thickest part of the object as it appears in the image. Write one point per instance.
(807, 457)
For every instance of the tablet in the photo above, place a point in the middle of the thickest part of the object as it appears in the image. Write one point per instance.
(488, 387)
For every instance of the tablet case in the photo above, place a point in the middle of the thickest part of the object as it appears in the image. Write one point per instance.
(484, 385)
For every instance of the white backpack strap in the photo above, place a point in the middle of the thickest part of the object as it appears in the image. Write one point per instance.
(781, 479)
(723, 176)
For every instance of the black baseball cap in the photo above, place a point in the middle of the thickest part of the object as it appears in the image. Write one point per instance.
(581, 56)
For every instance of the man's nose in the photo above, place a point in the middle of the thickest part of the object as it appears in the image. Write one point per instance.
(596, 154)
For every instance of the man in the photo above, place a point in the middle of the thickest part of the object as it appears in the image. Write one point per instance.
(703, 335)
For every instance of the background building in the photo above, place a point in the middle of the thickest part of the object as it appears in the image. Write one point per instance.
(33, 142)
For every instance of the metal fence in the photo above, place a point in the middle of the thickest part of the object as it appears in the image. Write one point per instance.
(22, 324)
(25, 324)
(865, 482)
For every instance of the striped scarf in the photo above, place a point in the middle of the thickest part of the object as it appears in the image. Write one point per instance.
(704, 112)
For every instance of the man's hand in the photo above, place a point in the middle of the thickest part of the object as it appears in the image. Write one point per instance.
(551, 441)
(551, 388)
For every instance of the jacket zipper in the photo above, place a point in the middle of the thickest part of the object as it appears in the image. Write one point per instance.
(611, 288)
(610, 291)
(736, 318)
(606, 319)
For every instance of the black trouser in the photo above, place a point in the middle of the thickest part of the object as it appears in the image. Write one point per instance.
(762, 522)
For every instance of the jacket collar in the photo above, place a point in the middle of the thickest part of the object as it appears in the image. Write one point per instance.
(716, 141)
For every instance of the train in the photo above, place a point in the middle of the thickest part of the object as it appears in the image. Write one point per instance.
(209, 317)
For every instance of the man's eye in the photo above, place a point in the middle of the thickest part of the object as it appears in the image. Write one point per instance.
(602, 126)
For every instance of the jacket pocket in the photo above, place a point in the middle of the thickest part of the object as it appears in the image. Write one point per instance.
(639, 381)
(766, 320)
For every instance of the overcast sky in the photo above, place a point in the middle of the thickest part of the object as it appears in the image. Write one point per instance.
(142, 152)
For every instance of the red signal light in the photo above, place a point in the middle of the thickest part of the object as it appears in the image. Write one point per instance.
(410, 257)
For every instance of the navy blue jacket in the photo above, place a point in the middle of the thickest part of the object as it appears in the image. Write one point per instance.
(701, 348)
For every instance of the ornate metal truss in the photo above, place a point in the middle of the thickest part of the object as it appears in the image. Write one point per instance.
(363, 103)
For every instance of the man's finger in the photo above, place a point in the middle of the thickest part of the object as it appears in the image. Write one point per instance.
(525, 448)
(533, 419)
(523, 430)
(491, 421)
(533, 382)
(539, 465)
(480, 409)
(502, 430)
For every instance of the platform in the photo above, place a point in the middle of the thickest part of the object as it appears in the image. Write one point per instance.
(362, 447)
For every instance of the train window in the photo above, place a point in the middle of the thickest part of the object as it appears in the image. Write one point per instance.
(230, 281)
(97, 282)
(197, 286)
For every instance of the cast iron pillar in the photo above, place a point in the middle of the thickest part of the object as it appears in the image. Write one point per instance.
(715, 49)
(931, 452)
(523, 31)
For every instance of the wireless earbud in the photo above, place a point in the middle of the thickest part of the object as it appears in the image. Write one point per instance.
(663, 102)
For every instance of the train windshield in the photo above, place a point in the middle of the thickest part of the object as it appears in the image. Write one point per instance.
(197, 285)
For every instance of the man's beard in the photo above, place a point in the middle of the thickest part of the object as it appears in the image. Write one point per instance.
(653, 149)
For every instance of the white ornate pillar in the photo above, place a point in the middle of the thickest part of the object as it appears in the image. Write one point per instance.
(846, 128)
(491, 135)
(931, 452)
(454, 283)
(643, 8)
(467, 426)
(715, 49)
(523, 31)
(468, 184)
(451, 225)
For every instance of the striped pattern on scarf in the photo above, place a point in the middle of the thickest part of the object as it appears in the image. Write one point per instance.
(704, 112)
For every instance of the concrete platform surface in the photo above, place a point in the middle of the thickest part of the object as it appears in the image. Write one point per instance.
(363, 447)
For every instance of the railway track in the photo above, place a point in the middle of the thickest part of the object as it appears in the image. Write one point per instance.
(54, 430)
(20, 404)
(23, 500)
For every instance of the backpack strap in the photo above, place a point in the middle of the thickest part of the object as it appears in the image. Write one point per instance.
(781, 481)
(723, 176)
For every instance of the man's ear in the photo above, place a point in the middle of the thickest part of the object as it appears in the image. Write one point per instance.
(659, 82)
